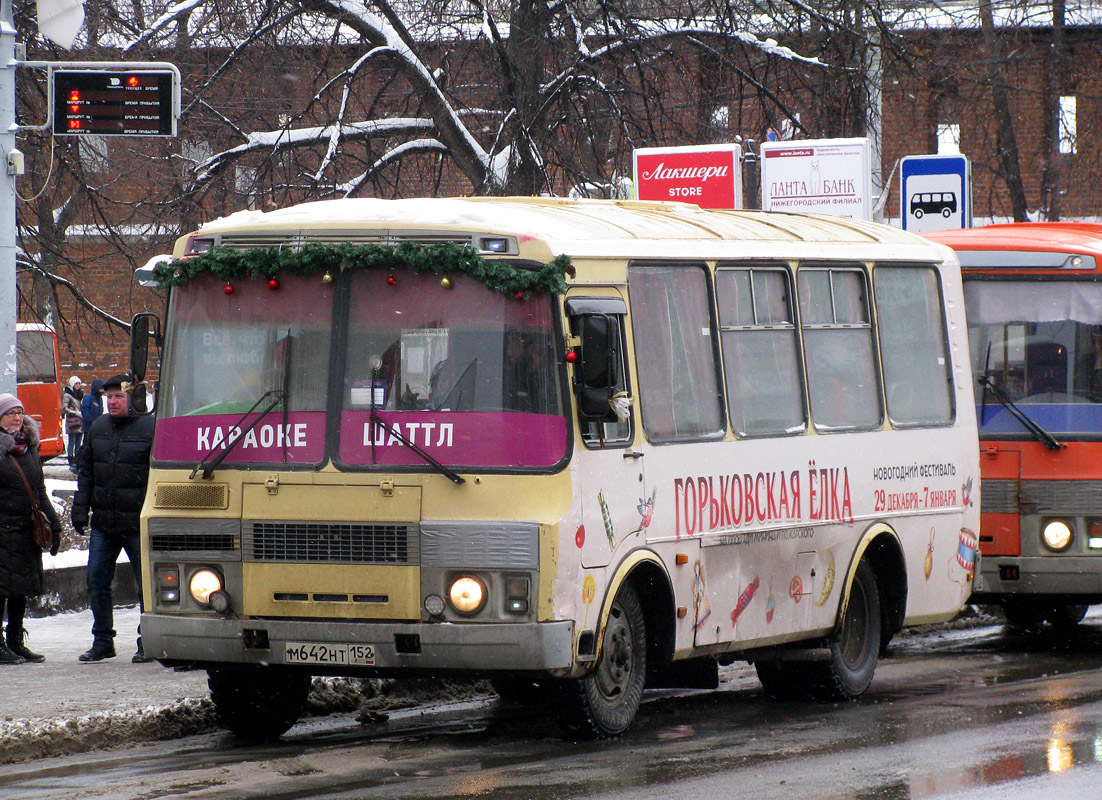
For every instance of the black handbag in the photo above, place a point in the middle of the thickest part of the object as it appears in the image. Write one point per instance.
(40, 523)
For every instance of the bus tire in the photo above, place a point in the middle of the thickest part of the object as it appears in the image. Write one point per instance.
(604, 702)
(1023, 613)
(258, 704)
(1065, 616)
(854, 648)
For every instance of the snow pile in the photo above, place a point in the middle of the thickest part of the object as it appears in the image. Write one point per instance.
(26, 739)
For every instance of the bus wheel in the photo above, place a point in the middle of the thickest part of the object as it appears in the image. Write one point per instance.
(604, 702)
(854, 648)
(1065, 616)
(1023, 613)
(258, 703)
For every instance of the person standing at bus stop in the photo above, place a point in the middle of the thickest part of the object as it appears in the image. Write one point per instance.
(20, 557)
(112, 471)
(73, 394)
(91, 405)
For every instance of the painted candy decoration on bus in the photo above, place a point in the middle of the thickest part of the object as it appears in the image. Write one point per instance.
(701, 609)
(607, 518)
(646, 510)
(744, 599)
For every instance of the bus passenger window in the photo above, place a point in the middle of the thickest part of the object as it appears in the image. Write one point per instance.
(675, 353)
(914, 347)
(765, 394)
(601, 373)
(842, 374)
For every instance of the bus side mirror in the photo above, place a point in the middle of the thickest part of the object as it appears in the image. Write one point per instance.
(596, 365)
(142, 326)
(141, 399)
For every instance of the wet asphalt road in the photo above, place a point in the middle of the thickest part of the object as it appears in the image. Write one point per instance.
(981, 713)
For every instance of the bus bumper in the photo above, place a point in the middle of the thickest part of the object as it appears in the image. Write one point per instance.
(1066, 577)
(398, 646)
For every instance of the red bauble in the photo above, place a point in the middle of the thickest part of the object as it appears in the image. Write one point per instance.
(390, 280)
(227, 289)
(273, 284)
(571, 357)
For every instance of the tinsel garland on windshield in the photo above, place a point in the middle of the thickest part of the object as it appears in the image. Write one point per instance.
(326, 260)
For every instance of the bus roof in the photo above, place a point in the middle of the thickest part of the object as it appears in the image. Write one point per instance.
(576, 227)
(1040, 246)
(1039, 236)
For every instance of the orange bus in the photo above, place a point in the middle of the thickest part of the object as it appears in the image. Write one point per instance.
(1033, 297)
(38, 374)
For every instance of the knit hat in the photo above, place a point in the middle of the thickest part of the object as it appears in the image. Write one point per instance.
(8, 402)
(118, 382)
(74, 382)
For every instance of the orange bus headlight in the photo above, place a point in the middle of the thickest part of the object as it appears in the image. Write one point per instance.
(467, 594)
(1056, 535)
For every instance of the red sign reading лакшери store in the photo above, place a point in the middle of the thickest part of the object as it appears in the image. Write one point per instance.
(708, 175)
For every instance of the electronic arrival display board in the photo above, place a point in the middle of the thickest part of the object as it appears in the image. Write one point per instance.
(105, 103)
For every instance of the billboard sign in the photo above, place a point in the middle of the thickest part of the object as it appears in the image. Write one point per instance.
(708, 175)
(823, 176)
(935, 193)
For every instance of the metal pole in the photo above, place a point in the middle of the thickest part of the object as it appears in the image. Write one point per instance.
(874, 120)
(753, 174)
(8, 293)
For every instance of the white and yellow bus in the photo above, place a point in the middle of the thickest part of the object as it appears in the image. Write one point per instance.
(580, 447)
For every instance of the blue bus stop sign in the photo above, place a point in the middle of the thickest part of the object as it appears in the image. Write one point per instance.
(935, 193)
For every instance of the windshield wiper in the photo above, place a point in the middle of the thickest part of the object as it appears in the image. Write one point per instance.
(986, 372)
(1043, 436)
(447, 472)
(208, 469)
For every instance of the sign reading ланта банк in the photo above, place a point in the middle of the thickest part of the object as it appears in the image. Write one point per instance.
(824, 176)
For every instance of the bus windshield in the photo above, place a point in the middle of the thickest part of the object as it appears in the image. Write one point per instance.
(1043, 349)
(35, 356)
(467, 374)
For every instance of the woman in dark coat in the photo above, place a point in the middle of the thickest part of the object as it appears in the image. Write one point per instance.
(20, 557)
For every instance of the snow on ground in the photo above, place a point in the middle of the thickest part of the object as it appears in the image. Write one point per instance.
(65, 706)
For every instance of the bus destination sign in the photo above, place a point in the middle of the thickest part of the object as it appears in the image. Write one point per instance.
(114, 103)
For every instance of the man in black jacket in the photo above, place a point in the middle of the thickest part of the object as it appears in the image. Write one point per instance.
(112, 471)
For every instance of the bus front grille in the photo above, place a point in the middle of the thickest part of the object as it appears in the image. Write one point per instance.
(1041, 497)
(1061, 497)
(189, 535)
(330, 542)
(191, 495)
(999, 496)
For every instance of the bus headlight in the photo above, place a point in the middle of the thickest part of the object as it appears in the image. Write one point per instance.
(467, 594)
(203, 584)
(1056, 535)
